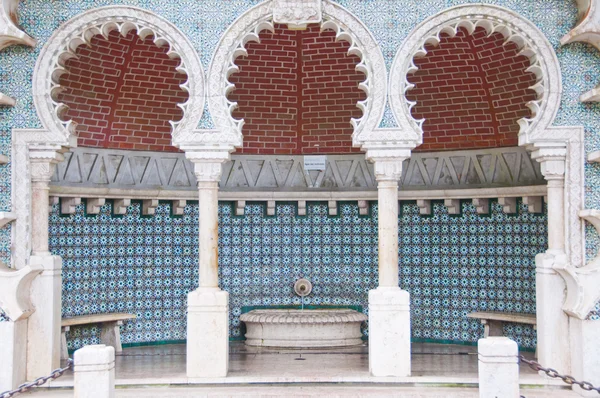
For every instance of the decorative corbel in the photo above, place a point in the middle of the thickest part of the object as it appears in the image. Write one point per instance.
(482, 205)
(240, 207)
(424, 207)
(178, 207)
(509, 205)
(302, 207)
(149, 207)
(93, 205)
(453, 206)
(582, 283)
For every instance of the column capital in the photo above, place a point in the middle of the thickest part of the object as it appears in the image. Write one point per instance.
(43, 158)
(552, 158)
(208, 164)
(388, 162)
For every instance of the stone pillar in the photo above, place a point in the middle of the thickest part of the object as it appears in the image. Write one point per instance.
(552, 321)
(43, 333)
(389, 306)
(94, 372)
(13, 350)
(498, 368)
(208, 306)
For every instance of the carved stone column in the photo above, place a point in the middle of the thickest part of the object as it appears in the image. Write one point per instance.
(389, 306)
(208, 306)
(43, 338)
(552, 321)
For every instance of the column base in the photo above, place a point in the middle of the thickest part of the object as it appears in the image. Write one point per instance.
(208, 333)
(389, 332)
(13, 351)
(43, 336)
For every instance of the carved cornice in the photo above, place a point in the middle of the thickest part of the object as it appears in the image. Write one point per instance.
(587, 31)
(10, 34)
(531, 42)
(101, 21)
(248, 27)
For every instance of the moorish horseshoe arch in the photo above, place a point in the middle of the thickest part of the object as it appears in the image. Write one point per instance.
(247, 28)
(559, 150)
(528, 38)
(79, 30)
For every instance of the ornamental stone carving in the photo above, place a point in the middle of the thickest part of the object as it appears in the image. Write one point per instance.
(80, 30)
(528, 38)
(10, 34)
(582, 283)
(261, 17)
(588, 31)
(297, 14)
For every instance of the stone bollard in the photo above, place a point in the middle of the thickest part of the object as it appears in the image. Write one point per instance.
(498, 368)
(95, 372)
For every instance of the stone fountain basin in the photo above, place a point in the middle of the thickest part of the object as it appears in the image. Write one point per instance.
(291, 328)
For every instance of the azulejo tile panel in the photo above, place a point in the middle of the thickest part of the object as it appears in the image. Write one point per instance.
(451, 265)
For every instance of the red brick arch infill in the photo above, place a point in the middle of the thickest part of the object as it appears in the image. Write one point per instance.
(297, 91)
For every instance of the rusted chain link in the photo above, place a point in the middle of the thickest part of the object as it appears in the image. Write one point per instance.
(38, 382)
(570, 380)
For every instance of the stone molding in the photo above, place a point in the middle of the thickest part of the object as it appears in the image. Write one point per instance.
(532, 43)
(587, 30)
(560, 151)
(80, 30)
(247, 27)
(113, 170)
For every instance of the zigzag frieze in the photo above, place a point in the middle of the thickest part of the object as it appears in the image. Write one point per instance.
(102, 168)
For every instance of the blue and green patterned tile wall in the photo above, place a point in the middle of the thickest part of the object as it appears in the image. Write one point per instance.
(451, 265)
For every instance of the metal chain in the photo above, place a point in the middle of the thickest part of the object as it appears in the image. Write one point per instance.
(38, 382)
(570, 380)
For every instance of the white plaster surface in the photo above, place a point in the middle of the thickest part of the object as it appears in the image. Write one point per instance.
(95, 372)
(13, 348)
(303, 328)
(498, 368)
(389, 332)
(552, 322)
(208, 333)
(43, 334)
(585, 344)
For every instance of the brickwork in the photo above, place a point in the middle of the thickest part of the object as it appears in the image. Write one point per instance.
(122, 92)
(297, 92)
(471, 90)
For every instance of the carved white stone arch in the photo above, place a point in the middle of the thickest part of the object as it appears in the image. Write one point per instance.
(528, 38)
(101, 21)
(247, 28)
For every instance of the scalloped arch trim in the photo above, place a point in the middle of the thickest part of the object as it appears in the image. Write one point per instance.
(80, 30)
(247, 28)
(530, 41)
